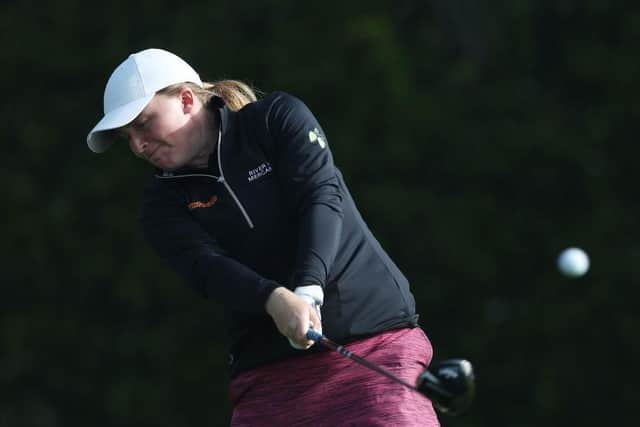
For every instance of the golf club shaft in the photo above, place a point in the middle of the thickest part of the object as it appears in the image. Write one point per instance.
(319, 338)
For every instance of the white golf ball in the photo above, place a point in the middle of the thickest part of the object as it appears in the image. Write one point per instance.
(573, 262)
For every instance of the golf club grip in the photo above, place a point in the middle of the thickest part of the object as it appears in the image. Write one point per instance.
(314, 335)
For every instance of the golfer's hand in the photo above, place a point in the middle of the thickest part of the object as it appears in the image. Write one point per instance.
(292, 316)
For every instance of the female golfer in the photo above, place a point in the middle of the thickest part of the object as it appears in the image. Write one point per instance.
(249, 208)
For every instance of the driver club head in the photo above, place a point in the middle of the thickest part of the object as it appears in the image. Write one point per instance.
(450, 384)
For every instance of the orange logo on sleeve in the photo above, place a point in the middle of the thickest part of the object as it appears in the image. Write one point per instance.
(195, 205)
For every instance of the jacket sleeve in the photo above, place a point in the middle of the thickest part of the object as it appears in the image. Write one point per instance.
(196, 257)
(305, 168)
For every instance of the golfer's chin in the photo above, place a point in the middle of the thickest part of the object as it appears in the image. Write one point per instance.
(166, 163)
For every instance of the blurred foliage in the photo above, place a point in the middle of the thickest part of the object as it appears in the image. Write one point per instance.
(479, 139)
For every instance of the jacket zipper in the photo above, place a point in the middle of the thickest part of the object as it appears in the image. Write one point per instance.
(226, 184)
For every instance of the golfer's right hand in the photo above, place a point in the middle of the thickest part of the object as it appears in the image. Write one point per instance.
(292, 316)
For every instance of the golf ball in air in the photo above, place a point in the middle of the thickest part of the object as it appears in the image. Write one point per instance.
(573, 262)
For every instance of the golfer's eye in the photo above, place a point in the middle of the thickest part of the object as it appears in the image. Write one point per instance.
(142, 124)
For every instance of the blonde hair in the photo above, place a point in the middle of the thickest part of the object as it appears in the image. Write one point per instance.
(234, 93)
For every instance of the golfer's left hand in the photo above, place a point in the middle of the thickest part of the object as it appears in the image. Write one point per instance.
(292, 315)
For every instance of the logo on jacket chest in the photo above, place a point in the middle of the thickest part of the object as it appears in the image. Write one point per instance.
(206, 204)
(259, 172)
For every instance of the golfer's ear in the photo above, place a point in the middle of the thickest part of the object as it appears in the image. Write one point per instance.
(187, 98)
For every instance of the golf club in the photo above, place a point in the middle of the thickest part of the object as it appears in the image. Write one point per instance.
(449, 384)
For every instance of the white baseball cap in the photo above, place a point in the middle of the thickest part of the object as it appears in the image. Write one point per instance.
(131, 87)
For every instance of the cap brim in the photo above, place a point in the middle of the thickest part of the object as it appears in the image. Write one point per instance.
(99, 139)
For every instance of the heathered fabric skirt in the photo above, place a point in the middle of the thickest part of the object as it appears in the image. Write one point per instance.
(327, 389)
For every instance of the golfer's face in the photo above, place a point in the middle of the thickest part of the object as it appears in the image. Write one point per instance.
(160, 133)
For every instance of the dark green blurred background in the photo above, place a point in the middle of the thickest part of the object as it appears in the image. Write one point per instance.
(479, 140)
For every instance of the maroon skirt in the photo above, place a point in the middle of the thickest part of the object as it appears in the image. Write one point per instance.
(327, 389)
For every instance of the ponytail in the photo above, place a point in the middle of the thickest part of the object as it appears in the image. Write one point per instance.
(234, 93)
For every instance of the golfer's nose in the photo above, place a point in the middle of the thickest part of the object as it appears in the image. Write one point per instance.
(138, 144)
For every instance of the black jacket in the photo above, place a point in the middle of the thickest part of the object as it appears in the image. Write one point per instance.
(272, 209)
